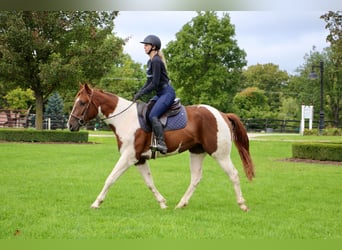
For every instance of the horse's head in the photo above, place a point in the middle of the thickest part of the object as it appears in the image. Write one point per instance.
(84, 108)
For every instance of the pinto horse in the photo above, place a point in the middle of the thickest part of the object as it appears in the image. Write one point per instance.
(208, 131)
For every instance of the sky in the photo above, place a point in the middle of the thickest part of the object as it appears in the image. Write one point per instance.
(279, 37)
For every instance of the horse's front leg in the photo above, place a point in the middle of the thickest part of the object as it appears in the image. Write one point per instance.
(120, 167)
(146, 174)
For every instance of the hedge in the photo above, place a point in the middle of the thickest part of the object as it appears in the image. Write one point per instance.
(30, 135)
(317, 151)
(326, 131)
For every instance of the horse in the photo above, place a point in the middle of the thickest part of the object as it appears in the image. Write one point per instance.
(208, 131)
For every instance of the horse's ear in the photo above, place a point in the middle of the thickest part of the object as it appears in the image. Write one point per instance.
(88, 89)
(80, 84)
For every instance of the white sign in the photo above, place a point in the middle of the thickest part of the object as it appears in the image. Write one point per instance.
(307, 113)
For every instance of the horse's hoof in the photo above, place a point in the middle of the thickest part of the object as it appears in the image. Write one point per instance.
(94, 206)
(181, 205)
(163, 206)
(244, 208)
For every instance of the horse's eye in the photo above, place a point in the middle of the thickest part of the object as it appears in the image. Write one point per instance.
(82, 103)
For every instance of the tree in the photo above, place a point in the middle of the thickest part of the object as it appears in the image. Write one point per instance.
(308, 91)
(289, 109)
(270, 79)
(54, 106)
(50, 50)
(125, 77)
(205, 62)
(334, 25)
(19, 98)
(251, 103)
(54, 110)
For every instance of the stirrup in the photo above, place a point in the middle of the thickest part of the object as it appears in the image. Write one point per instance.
(162, 148)
(157, 147)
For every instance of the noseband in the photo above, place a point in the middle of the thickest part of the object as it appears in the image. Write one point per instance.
(81, 119)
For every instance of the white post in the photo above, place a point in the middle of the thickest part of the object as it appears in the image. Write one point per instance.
(311, 117)
(49, 123)
(302, 122)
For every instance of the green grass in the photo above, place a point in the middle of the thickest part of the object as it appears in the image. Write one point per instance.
(296, 137)
(46, 191)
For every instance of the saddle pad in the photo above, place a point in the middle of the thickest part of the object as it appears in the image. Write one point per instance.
(175, 122)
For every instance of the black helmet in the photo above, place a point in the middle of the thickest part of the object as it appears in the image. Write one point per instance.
(153, 40)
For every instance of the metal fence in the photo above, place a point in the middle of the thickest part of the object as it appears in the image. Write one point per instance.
(60, 122)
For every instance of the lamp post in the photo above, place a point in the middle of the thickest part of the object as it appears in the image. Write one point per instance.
(312, 76)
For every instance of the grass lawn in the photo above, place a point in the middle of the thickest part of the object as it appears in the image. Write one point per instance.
(46, 191)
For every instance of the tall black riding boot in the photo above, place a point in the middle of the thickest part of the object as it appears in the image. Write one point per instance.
(159, 133)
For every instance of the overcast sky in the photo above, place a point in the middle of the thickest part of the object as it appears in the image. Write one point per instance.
(279, 37)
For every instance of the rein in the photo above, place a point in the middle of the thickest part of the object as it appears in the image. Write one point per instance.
(81, 119)
(112, 116)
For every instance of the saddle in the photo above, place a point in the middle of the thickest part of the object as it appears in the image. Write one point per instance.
(175, 109)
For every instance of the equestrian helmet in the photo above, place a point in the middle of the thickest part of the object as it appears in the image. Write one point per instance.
(153, 40)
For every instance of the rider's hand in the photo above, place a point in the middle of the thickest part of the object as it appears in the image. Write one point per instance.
(136, 96)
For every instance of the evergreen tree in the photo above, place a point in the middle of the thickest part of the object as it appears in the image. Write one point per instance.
(54, 110)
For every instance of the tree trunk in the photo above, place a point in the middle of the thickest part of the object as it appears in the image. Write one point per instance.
(39, 110)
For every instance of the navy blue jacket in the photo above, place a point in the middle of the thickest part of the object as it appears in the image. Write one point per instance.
(157, 77)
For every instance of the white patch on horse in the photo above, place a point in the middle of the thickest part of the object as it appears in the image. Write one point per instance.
(222, 155)
(125, 120)
(224, 137)
(73, 108)
(72, 111)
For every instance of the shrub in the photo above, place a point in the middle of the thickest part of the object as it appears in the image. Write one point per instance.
(317, 151)
(30, 135)
(326, 131)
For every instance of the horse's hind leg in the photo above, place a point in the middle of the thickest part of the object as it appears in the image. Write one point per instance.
(146, 174)
(228, 167)
(196, 161)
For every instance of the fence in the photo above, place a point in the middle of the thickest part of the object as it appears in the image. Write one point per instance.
(60, 122)
(280, 126)
(49, 122)
(14, 118)
(21, 119)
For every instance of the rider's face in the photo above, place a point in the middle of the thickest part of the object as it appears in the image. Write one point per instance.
(147, 48)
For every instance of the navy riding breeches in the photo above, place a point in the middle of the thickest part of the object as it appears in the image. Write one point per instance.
(164, 99)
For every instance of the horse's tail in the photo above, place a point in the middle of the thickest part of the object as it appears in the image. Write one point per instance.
(241, 141)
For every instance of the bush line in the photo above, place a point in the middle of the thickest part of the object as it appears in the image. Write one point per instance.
(317, 151)
(30, 135)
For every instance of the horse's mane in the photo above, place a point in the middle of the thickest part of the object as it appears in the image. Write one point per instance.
(102, 91)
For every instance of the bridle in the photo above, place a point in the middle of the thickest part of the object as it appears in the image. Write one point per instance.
(81, 119)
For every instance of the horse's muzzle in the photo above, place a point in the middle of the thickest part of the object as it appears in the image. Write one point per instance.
(73, 126)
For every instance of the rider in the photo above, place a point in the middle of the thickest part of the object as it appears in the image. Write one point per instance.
(158, 81)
